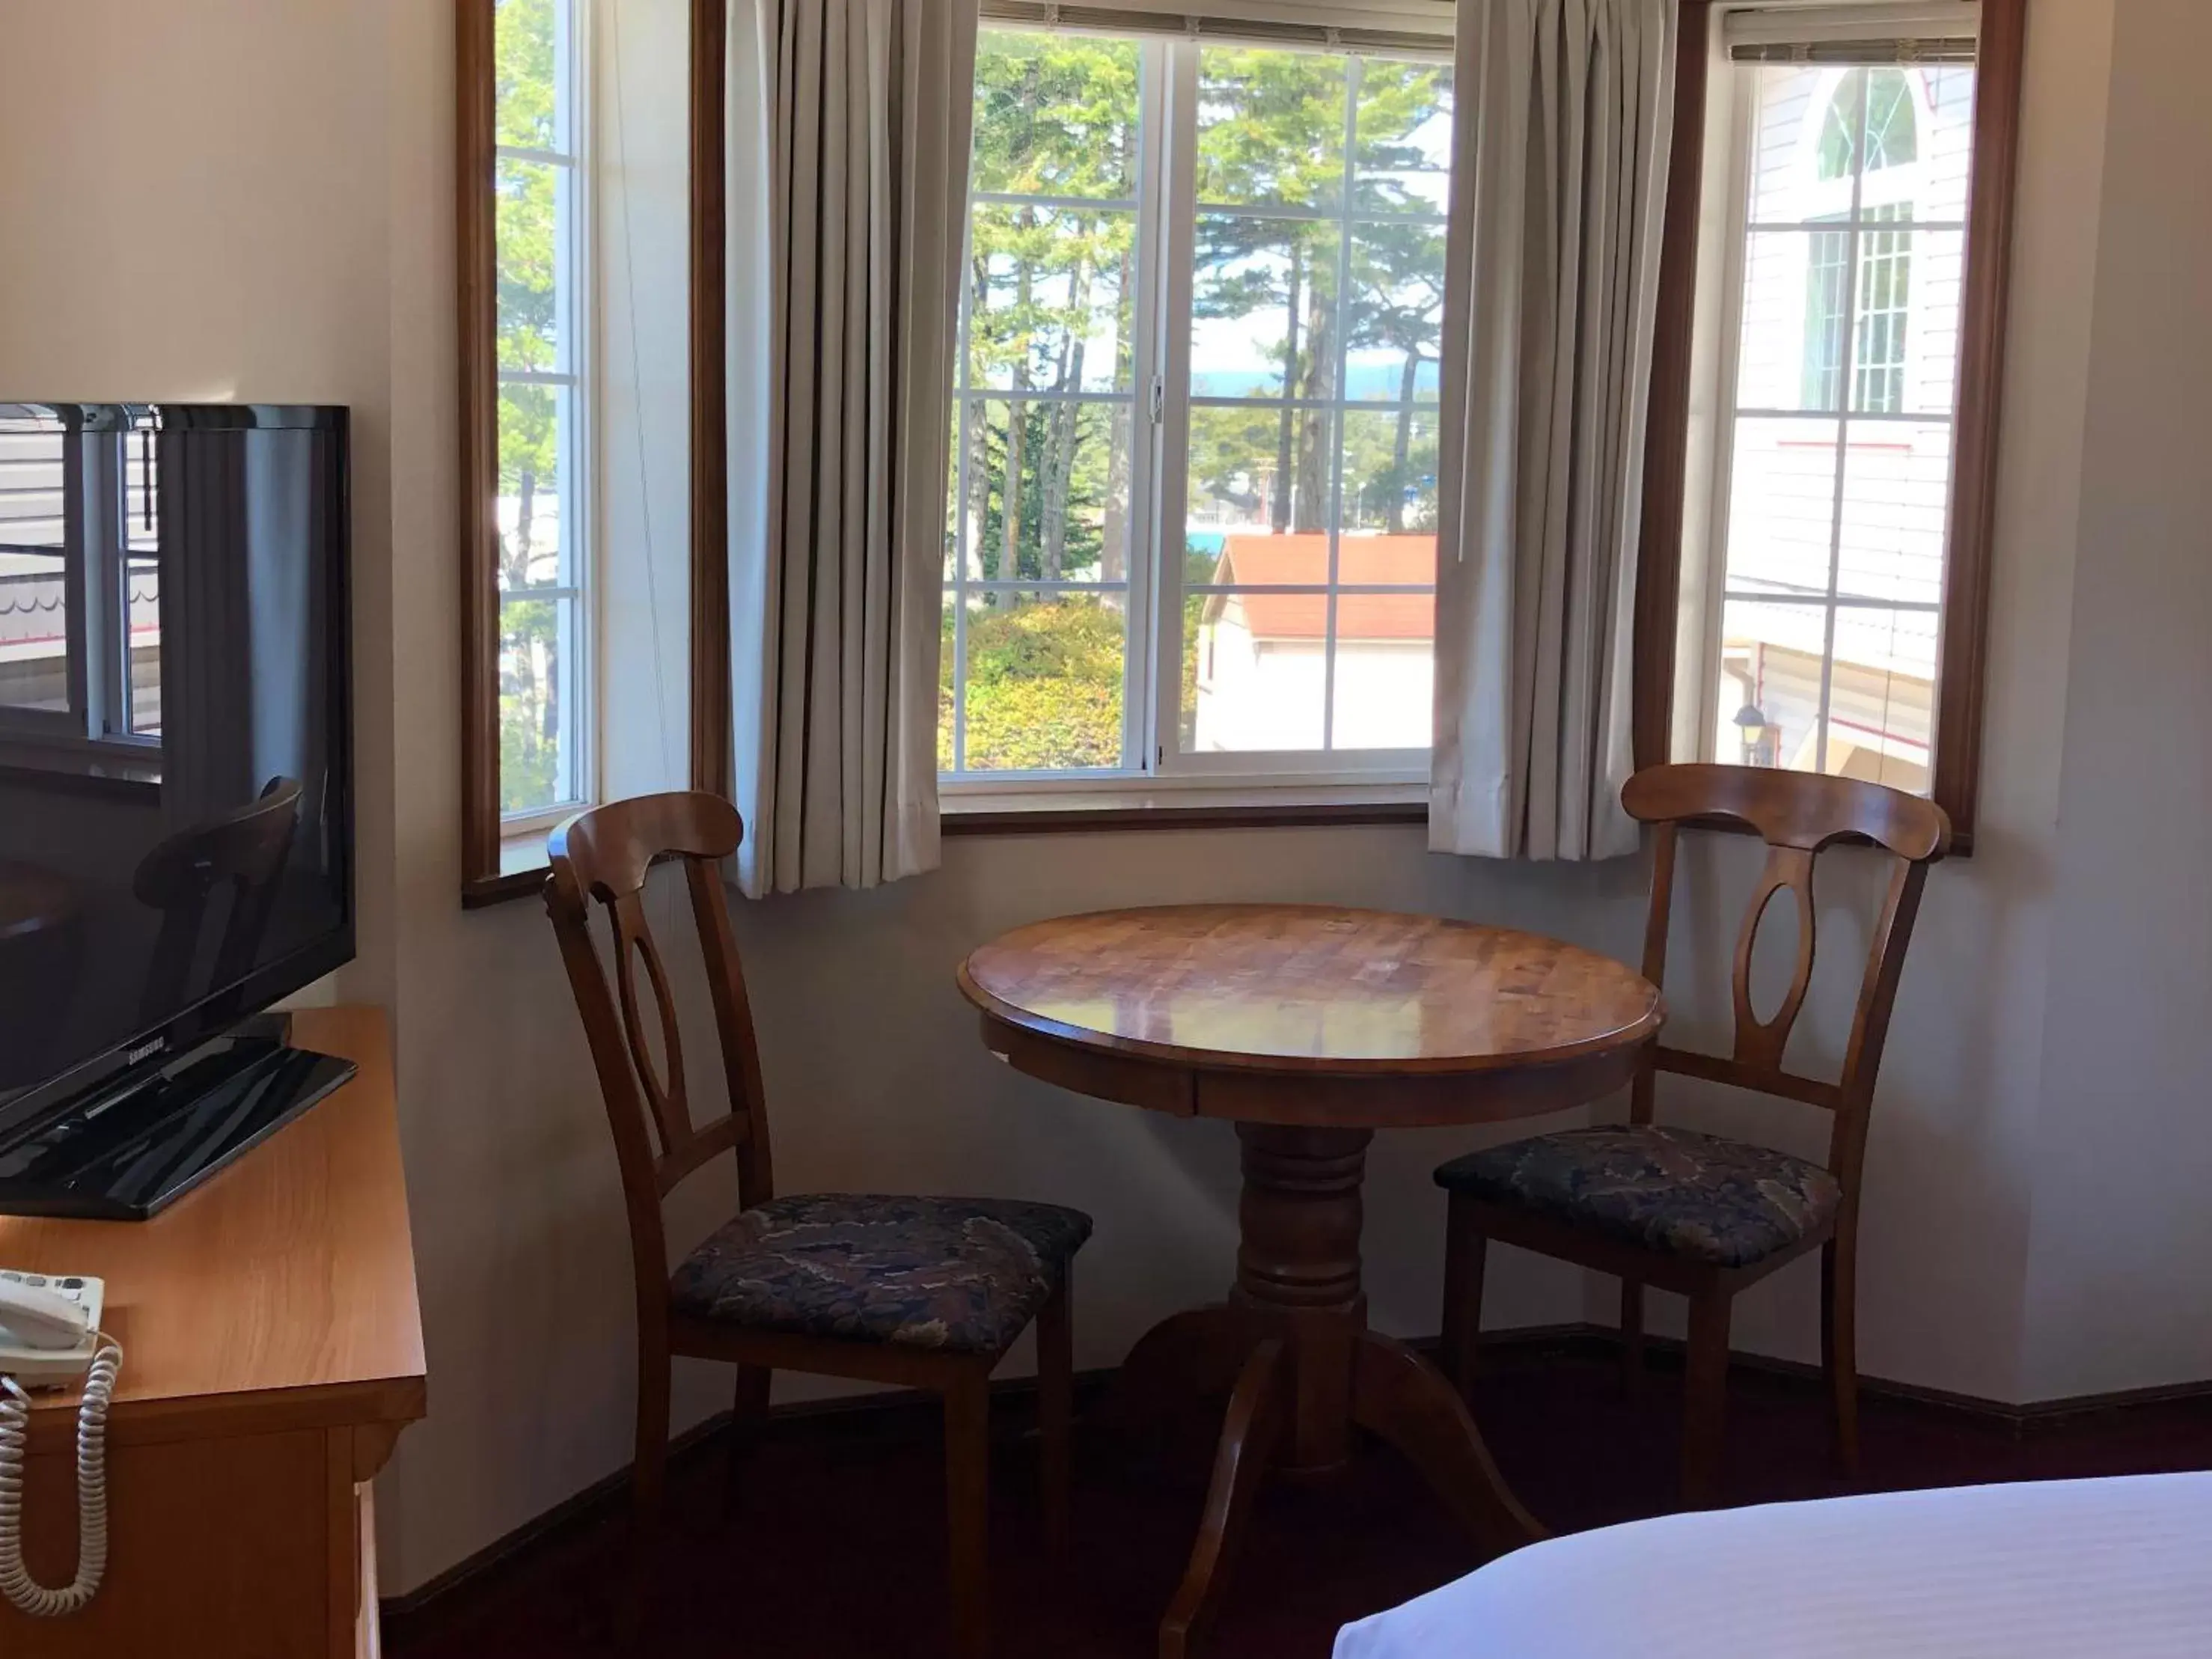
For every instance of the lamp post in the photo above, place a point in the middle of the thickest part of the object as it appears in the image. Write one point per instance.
(1756, 735)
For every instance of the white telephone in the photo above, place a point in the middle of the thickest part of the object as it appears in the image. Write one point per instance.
(50, 1335)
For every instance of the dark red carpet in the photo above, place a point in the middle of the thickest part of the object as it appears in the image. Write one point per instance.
(834, 1549)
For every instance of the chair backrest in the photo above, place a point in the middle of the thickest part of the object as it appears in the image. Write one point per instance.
(1797, 814)
(244, 851)
(603, 855)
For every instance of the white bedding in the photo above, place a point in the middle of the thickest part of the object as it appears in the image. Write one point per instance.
(2118, 1569)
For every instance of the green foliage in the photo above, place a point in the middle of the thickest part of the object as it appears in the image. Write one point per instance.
(1271, 128)
(529, 747)
(1045, 686)
(1091, 428)
(526, 226)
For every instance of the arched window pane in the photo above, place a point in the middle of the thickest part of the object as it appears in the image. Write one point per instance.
(1892, 131)
(1883, 98)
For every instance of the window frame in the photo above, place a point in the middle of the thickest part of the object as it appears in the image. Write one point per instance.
(1157, 775)
(502, 853)
(95, 473)
(1964, 629)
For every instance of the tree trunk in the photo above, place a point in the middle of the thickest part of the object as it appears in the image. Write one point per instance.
(1010, 517)
(1310, 510)
(1279, 518)
(977, 507)
(1059, 463)
(1060, 466)
(517, 562)
(1403, 447)
(1114, 551)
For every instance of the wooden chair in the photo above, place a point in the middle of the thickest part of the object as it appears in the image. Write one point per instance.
(921, 1292)
(1695, 1213)
(243, 852)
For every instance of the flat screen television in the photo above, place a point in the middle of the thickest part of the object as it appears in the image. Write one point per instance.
(176, 787)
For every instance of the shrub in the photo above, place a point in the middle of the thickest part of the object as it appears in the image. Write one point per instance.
(1045, 686)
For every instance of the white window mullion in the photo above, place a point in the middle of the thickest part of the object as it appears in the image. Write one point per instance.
(963, 532)
(1846, 396)
(1338, 415)
(92, 531)
(1176, 185)
(1146, 534)
(534, 155)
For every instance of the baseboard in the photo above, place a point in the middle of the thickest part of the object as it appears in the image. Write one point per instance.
(1582, 1338)
(1589, 1337)
(395, 1611)
(610, 1491)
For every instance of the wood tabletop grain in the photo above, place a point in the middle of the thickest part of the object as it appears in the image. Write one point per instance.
(1310, 988)
(34, 899)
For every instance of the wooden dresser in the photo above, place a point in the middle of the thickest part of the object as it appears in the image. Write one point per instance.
(272, 1352)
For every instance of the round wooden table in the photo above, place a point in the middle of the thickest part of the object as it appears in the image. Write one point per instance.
(1311, 1028)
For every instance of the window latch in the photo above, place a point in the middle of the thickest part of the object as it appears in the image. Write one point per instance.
(1159, 397)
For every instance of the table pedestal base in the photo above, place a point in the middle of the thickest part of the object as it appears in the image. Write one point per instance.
(1293, 1351)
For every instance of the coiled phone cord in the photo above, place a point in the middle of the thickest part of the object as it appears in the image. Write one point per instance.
(24, 1592)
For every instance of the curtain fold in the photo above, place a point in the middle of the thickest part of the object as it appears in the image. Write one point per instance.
(1560, 153)
(848, 126)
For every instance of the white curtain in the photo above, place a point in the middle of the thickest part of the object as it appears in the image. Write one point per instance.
(1559, 189)
(847, 176)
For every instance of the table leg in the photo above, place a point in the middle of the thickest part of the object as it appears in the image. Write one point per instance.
(1402, 1398)
(1185, 1358)
(1294, 1339)
(1248, 1445)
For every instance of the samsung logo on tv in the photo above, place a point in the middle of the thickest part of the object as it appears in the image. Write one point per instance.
(144, 1050)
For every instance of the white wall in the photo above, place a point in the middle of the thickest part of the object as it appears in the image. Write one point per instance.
(2119, 1290)
(252, 197)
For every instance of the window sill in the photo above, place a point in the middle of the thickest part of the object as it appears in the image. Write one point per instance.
(1151, 805)
(130, 769)
(522, 867)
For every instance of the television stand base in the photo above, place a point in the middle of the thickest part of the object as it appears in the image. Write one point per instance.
(127, 1150)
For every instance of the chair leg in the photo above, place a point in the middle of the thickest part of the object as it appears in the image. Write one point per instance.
(1704, 1414)
(648, 1482)
(1631, 1337)
(1055, 1411)
(967, 1487)
(648, 1479)
(1465, 1248)
(1840, 1346)
(748, 1413)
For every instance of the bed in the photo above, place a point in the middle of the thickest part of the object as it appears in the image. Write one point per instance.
(2112, 1569)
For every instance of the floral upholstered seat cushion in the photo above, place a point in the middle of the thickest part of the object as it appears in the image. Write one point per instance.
(962, 1273)
(1674, 1190)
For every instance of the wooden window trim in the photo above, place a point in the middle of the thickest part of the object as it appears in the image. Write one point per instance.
(1964, 650)
(498, 861)
(477, 264)
(711, 687)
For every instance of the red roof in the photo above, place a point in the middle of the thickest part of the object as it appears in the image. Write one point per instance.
(1302, 561)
